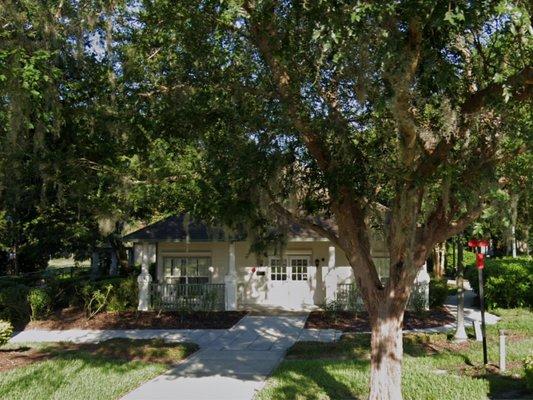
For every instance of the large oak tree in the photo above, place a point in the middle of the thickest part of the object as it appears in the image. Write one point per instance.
(386, 117)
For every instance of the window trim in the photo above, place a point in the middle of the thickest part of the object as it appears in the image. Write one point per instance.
(303, 273)
(186, 277)
(289, 272)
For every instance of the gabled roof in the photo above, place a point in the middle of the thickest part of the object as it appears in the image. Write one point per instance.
(178, 229)
(173, 229)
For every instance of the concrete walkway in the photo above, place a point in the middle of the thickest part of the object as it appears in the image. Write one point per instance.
(472, 313)
(233, 366)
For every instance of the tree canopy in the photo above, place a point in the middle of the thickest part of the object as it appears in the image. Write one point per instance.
(398, 120)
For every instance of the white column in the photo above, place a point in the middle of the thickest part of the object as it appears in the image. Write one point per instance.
(422, 284)
(144, 279)
(330, 277)
(230, 281)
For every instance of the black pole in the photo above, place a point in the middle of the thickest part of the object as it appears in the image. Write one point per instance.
(482, 307)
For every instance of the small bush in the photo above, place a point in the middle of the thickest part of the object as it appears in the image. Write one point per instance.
(438, 291)
(528, 371)
(114, 294)
(14, 304)
(508, 282)
(6, 330)
(40, 303)
(124, 296)
(417, 301)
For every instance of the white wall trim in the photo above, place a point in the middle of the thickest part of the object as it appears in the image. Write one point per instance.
(186, 254)
(302, 252)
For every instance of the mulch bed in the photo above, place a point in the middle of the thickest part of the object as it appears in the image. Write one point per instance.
(358, 322)
(18, 357)
(71, 318)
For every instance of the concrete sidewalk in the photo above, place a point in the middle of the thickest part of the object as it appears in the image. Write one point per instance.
(472, 313)
(234, 366)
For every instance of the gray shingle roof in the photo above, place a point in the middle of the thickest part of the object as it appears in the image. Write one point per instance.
(173, 229)
(176, 228)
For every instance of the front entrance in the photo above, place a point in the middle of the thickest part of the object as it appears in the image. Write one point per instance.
(290, 282)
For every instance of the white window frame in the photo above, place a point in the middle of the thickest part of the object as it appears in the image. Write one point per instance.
(278, 273)
(300, 273)
(183, 276)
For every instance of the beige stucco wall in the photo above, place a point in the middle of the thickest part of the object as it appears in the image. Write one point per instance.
(218, 251)
(256, 287)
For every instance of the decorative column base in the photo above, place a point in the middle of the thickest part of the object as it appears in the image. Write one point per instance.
(230, 287)
(144, 280)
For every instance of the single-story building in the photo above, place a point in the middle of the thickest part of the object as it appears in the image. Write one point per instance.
(306, 273)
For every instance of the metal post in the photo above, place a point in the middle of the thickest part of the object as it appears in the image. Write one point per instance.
(482, 307)
(460, 333)
(502, 351)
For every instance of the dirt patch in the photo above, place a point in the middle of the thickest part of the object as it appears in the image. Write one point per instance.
(358, 322)
(76, 319)
(13, 358)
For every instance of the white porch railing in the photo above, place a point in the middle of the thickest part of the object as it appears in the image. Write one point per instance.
(349, 298)
(187, 297)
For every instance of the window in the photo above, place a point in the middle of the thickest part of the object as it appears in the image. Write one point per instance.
(278, 271)
(187, 269)
(299, 269)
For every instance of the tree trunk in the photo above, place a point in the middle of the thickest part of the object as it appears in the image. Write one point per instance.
(387, 353)
(438, 267)
(460, 333)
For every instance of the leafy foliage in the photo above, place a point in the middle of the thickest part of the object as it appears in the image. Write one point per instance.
(40, 303)
(14, 304)
(6, 330)
(438, 291)
(528, 371)
(508, 282)
(117, 294)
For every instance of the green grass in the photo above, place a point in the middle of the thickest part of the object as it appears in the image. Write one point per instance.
(434, 367)
(105, 371)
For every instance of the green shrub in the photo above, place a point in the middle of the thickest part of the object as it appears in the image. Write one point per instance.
(417, 301)
(113, 294)
(124, 296)
(469, 260)
(14, 304)
(528, 371)
(40, 303)
(438, 291)
(65, 291)
(6, 330)
(508, 282)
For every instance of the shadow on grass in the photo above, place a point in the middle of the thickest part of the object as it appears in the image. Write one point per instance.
(299, 379)
(506, 386)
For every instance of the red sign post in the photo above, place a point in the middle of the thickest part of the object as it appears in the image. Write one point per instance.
(480, 260)
(481, 247)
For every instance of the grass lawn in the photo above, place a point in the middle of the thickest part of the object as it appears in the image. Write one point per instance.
(434, 367)
(107, 370)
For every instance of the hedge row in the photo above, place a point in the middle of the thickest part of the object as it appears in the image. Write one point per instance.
(20, 303)
(508, 282)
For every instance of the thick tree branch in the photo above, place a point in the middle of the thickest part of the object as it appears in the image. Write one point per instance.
(521, 84)
(265, 37)
(402, 80)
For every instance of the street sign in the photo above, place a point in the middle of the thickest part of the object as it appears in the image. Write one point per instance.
(480, 247)
(480, 260)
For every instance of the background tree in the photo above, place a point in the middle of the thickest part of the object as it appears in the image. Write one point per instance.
(59, 136)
